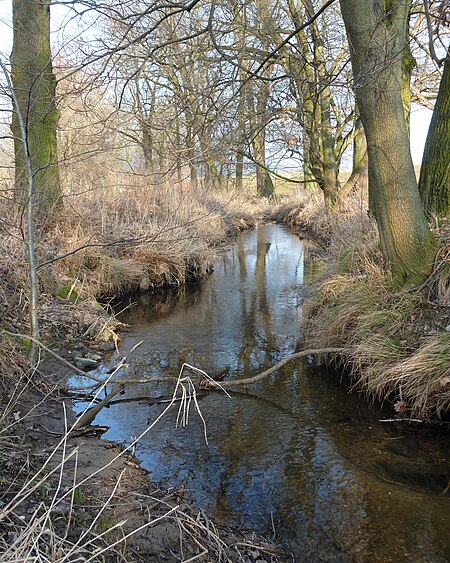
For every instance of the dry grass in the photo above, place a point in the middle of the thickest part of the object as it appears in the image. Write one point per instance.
(398, 341)
(144, 238)
(117, 241)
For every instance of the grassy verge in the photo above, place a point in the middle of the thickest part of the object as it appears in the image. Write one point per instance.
(398, 341)
(105, 244)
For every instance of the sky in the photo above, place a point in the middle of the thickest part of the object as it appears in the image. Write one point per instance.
(420, 117)
(420, 122)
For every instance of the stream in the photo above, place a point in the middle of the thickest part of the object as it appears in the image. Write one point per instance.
(297, 453)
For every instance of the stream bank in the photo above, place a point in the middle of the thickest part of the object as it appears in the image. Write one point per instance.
(397, 340)
(296, 453)
(48, 515)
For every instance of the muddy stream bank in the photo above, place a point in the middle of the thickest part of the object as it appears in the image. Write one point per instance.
(297, 455)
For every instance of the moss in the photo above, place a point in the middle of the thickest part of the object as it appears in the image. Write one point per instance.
(67, 292)
(104, 523)
(78, 496)
(25, 344)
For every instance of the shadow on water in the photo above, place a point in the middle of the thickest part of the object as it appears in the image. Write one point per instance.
(298, 451)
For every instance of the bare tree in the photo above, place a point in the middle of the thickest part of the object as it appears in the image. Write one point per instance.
(377, 34)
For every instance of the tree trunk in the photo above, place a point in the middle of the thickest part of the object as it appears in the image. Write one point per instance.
(192, 161)
(377, 39)
(329, 180)
(35, 84)
(408, 64)
(434, 182)
(147, 147)
(359, 176)
(264, 184)
(258, 122)
(240, 140)
(178, 151)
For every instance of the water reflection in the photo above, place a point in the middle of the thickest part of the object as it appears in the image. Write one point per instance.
(299, 452)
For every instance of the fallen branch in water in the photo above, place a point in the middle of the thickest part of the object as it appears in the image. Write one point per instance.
(208, 383)
(88, 416)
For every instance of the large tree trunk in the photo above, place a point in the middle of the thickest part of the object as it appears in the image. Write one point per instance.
(434, 182)
(35, 84)
(377, 38)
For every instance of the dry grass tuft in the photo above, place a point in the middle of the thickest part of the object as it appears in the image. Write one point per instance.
(398, 341)
(423, 378)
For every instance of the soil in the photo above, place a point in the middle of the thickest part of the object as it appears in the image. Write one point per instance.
(114, 507)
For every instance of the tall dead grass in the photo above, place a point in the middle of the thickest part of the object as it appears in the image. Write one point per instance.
(108, 242)
(144, 238)
(398, 341)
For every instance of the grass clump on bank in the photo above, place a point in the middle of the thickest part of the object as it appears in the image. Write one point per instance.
(398, 340)
(143, 239)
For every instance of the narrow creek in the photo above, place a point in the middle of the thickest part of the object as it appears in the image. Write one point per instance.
(297, 453)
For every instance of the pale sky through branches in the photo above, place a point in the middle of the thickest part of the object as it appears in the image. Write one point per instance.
(420, 117)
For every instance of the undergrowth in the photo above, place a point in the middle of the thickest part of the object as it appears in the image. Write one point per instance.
(398, 341)
(105, 243)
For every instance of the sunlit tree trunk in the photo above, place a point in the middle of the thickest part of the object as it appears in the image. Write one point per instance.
(377, 34)
(35, 84)
(257, 113)
(434, 182)
(359, 177)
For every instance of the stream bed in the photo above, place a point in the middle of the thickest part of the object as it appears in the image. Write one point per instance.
(296, 454)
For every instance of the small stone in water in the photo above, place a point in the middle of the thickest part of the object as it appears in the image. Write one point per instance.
(85, 362)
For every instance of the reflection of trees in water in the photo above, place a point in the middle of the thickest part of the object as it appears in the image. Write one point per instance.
(254, 309)
(244, 441)
(155, 305)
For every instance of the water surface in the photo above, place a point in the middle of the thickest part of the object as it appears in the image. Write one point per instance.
(295, 453)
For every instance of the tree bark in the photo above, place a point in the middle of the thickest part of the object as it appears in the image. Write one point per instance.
(359, 176)
(35, 85)
(377, 36)
(329, 180)
(434, 182)
(258, 122)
